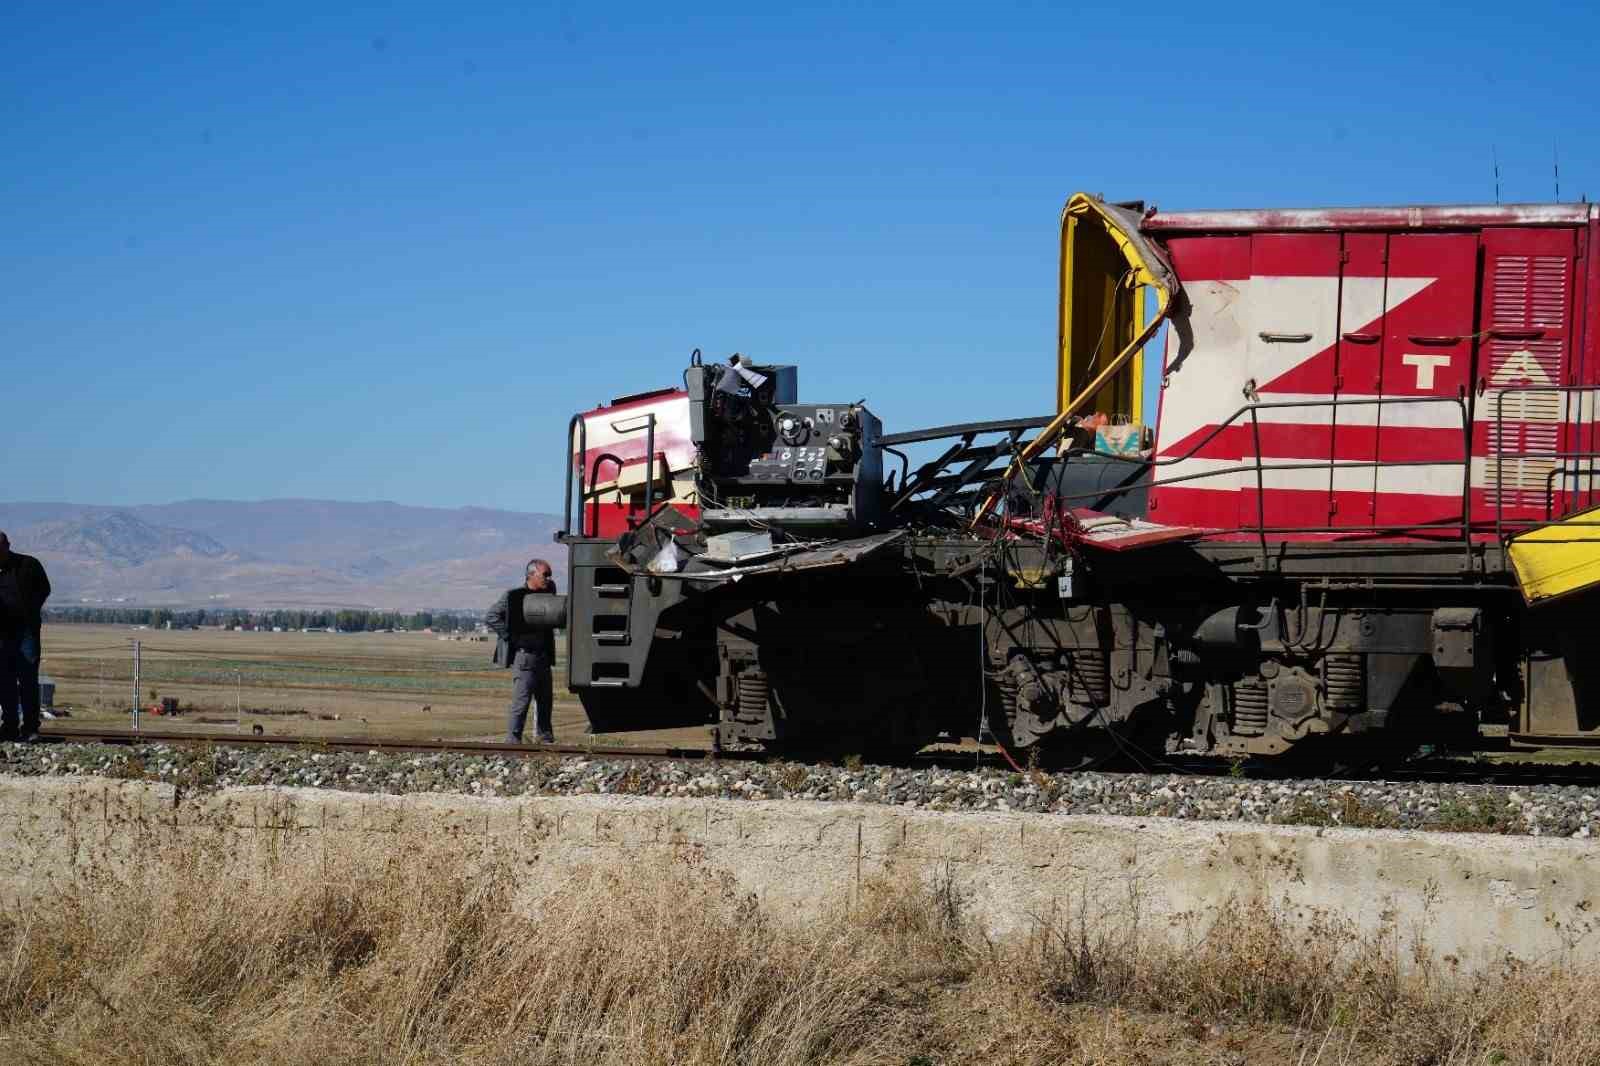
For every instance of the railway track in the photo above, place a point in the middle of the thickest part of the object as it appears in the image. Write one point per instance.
(448, 747)
(1423, 771)
(948, 758)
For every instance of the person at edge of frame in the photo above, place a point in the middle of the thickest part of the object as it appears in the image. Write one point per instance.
(23, 589)
(529, 652)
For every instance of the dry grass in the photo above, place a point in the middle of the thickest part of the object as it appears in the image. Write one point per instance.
(420, 955)
(412, 957)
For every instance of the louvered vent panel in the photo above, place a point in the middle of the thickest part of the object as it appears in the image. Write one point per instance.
(1525, 483)
(1509, 367)
(1531, 292)
(1547, 296)
(1510, 309)
(1522, 447)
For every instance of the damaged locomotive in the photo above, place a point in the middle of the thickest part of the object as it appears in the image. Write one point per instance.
(1358, 511)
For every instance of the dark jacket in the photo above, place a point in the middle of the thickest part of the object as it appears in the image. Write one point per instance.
(505, 620)
(23, 590)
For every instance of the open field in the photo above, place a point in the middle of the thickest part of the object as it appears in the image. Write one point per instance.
(396, 685)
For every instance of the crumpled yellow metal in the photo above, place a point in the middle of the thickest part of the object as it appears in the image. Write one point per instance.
(1147, 268)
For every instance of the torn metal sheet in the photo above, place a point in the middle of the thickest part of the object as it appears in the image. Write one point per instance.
(777, 551)
(1116, 533)
(739, 546)
(837, 553)
(1094, 529)
(1146, 257)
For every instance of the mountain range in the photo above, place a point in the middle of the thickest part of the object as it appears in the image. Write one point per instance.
(280, 553)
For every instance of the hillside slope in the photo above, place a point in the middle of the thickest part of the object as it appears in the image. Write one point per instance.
(280, 553)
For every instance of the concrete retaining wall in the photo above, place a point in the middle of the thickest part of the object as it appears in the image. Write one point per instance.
(1477, 897)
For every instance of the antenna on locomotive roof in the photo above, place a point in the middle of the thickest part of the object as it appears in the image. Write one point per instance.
(1555, 164)
(1494, 156)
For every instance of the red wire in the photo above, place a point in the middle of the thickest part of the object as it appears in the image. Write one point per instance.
(1007, 754)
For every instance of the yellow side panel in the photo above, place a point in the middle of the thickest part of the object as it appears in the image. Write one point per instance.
(1101, 312)
(1559, 559)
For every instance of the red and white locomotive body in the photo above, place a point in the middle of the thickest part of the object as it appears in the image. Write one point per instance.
(1395, 371)
(633, 444)
(1362, 414)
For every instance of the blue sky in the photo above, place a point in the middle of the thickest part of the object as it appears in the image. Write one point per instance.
(385, 252)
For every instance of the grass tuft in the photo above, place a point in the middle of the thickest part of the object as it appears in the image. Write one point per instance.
(421, 954)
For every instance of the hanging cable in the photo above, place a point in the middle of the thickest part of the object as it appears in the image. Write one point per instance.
(983, 664)
(1099, 344)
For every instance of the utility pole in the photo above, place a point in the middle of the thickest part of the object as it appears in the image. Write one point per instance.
(136, 686)
(238, 701)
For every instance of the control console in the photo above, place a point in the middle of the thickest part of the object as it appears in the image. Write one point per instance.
(768, 460)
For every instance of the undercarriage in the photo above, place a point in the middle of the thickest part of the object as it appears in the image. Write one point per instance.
(1203, 649)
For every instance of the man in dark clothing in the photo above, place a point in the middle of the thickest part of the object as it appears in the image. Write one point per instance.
(528, 651)
(23, 590)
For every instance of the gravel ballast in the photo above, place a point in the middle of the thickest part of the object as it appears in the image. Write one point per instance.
(1538, 810)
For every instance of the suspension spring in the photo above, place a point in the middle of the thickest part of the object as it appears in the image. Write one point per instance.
(1089, 682)
(754, 692)
(1345, 681)
(1006, 686)
(1249, 708)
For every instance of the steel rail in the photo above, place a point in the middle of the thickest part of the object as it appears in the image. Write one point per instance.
(122, 737)
(1421, 771)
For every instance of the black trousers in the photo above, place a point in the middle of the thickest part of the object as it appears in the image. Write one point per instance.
(19, 683)
(530, 675)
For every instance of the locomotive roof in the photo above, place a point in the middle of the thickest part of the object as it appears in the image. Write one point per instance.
(1345, 218)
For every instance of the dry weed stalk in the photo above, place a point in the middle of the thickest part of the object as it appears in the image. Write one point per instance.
(424, 953)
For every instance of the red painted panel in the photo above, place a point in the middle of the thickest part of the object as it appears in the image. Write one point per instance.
(1292, 320)
(612, 520)
(1305, 255)
(1203, 377)
(1358, 375)
(1427, 352)
(1529, 296)
(1586, 359)
(614, 454)
(1210, 258)
(1586, 352)
(1186, 505)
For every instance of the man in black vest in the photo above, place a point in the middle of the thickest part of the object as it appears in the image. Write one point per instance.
(23, 590)
(528, 651)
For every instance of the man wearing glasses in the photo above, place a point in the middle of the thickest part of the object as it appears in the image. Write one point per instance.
(528, 651)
